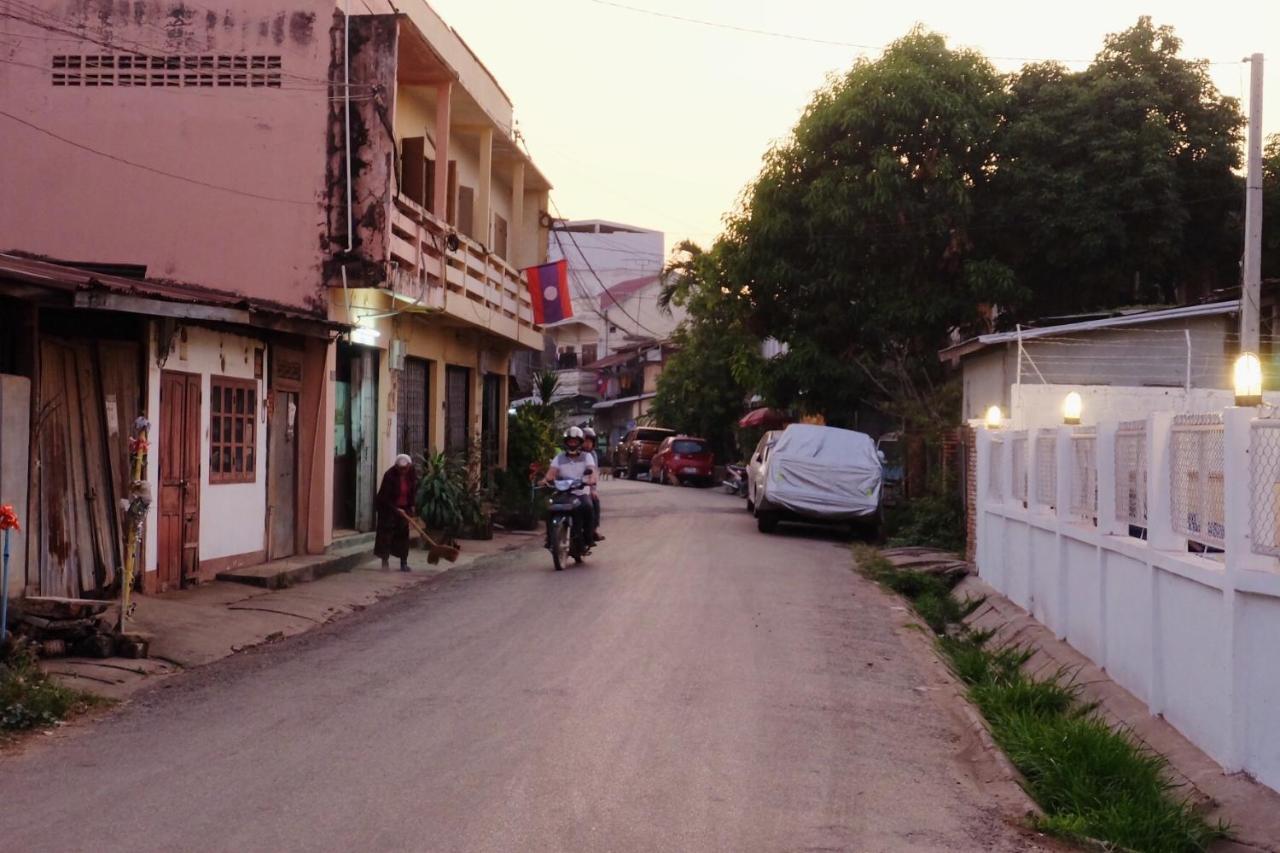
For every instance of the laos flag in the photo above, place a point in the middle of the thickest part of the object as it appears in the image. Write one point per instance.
(549, 292)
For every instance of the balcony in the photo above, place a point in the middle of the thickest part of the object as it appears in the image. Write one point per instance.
(578, 382)
(468, 285)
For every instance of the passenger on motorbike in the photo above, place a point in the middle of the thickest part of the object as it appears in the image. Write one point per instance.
(589, 446)
(575, 464)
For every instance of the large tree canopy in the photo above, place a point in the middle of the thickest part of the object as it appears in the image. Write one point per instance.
(921, 191)
(1115, 184)
(856, 242)
(705, 384)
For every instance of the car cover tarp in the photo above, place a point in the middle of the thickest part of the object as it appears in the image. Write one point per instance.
(824, 472)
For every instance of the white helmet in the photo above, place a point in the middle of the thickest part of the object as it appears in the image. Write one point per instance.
(573, 440)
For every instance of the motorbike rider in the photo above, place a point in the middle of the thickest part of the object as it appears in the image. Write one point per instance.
(589, 446)
(575, 464)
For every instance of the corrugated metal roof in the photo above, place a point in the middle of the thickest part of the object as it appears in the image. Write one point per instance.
(55, 276)
(1230, 306)
(621, 291)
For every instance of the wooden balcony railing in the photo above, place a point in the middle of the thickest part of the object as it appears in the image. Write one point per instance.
(468, 284)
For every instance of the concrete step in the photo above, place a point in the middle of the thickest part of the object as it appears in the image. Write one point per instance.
(351, 543)
(279, 574)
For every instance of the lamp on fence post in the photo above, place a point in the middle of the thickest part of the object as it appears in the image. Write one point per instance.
(1072, 406)
(994, 418)
(1247, 378)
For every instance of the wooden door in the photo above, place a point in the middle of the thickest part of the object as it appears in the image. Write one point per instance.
(282, 466)
(457, 407)
(364, 433)
(491, 422)
(178, 560)
(412, 407)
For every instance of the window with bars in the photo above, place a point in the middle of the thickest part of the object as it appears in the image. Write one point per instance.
(233, 420)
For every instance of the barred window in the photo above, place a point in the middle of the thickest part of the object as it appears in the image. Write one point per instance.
(232, 419)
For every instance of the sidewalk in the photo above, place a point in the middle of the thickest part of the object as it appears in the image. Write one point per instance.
(196, 626)
(1252, 810)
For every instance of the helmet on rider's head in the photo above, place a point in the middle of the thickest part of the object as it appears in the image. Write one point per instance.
(573, 440)
(588, 434)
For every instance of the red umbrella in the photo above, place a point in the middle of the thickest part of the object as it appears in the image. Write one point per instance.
(764, 417)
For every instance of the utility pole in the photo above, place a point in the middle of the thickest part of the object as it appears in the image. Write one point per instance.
(1251, 291)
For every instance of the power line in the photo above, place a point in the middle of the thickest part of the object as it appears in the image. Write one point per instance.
(151, 169)
(722, 25)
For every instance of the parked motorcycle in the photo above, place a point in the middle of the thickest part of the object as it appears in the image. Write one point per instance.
(565, 538)
(736, 480)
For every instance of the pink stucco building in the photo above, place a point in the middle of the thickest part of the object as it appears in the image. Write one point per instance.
(175, 181)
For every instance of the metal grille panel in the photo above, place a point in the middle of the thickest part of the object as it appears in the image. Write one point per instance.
(1196, 462)
(1131, 473)
(1046, 468)
(1264, 503)
(1018, 464)
(1084, 474)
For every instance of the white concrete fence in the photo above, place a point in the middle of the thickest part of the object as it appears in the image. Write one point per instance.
(1151, 547)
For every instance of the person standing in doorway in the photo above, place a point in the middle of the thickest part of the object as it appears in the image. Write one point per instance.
(398, 492)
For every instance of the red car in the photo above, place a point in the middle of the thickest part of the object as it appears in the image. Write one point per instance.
(682, 458)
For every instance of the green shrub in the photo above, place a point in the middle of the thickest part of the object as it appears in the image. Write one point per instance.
(446, 499)
(29, 698)
(932, 521)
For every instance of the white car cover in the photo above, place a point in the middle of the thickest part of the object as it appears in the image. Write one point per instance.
(823, 472)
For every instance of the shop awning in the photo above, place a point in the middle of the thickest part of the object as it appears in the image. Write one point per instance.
(100, 291)
(608, 404)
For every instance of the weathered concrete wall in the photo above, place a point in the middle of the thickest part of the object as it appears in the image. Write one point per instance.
(175, 151)
(373, 41)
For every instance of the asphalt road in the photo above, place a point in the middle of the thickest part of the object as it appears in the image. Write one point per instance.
(696, 686)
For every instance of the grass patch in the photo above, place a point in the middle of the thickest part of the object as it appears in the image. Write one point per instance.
(934, 521)
(30, 699)
(1092, 781)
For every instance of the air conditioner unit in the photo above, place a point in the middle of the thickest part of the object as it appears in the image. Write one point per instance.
(397, 354)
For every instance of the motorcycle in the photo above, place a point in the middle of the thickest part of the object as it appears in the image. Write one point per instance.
(736, 484)
(564, 536)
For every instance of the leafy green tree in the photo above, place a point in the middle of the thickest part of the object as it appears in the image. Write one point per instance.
(704, 387)
(1115, 184)
(856, 243)
(1271, 209)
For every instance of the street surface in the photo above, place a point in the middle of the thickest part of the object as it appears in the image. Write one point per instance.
(696, 686)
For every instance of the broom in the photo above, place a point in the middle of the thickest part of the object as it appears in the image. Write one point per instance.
(434, 549)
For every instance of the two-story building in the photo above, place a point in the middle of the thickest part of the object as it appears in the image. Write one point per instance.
(288, 238)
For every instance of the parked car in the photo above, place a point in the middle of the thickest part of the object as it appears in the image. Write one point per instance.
(820, 474)
(756, 464)
(682, 458)
(634, 453)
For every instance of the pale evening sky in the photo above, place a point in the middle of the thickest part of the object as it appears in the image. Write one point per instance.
(661, 123)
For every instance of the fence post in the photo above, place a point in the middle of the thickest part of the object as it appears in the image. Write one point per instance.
(1237, 484)
(1105, 458)
(1160, 537)
(1063, 457)
(1108, 524)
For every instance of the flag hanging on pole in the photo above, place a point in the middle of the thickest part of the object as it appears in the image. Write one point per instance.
(549, 292)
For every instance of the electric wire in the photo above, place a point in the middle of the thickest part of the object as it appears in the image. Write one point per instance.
(174, 175)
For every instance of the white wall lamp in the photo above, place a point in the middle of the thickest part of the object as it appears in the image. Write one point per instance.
(1247, 378)
(994, 418)
(1072, 408)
